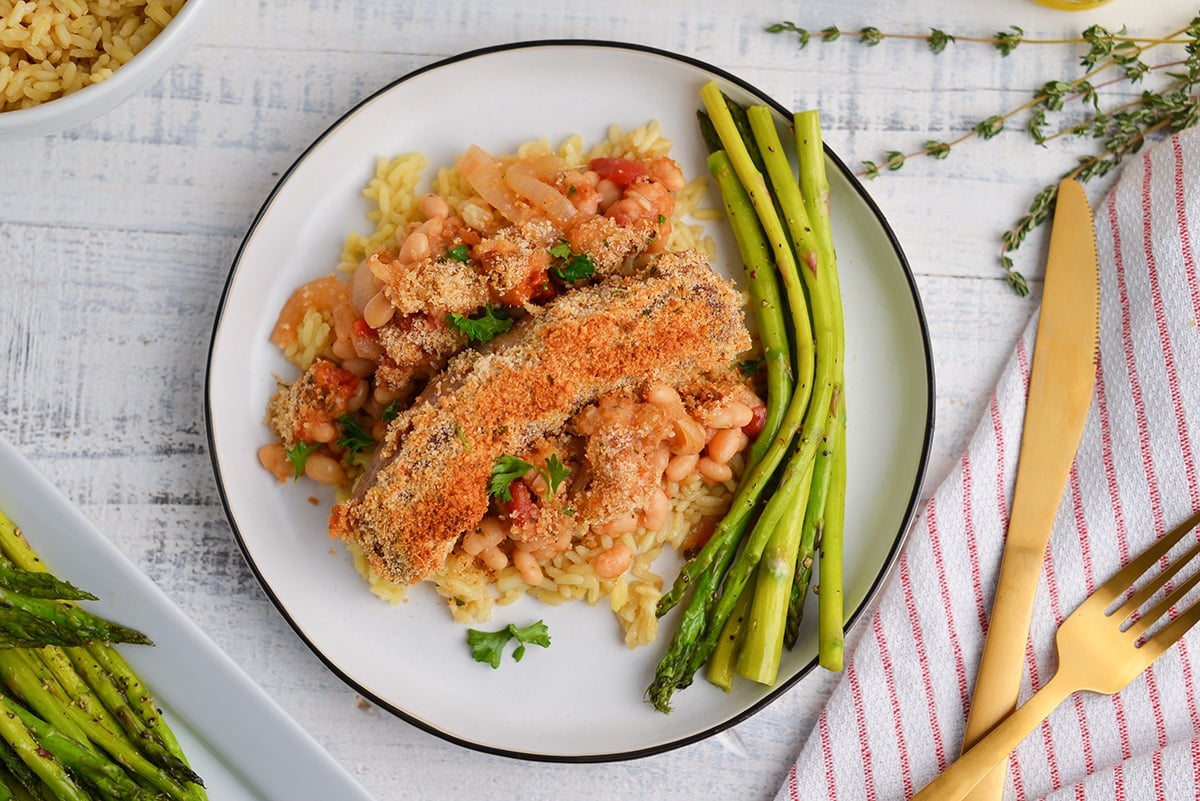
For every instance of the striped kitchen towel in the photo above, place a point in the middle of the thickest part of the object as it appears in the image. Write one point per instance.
(896, 717)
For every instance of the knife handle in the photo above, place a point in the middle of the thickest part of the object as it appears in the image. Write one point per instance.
(999, 681)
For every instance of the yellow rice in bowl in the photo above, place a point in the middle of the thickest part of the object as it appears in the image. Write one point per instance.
(51, 48)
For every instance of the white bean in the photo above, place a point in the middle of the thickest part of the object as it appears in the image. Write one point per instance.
(362, 368)
(725, 444)
(662, 395)
(654, 516)
(274, 459)
(526, 563)
(378, 311)
(324, 469)
(613, 562)
(414, 249)
(494, 558)
(621, 525)
(322, 431)
(489, 534)
(714, 472)
(344, 349)
(434, 206)
(733, 415)
(681, 466)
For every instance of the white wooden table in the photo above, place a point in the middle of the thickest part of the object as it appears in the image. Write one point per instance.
(116, 238)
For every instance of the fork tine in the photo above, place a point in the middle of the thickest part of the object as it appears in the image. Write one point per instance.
(1138, 599)
(1143, 623)
(1171, 633)
(1116, 586)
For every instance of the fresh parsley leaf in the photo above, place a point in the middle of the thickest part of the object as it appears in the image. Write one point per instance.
(298, 455)
(488, 646)
(751, 366)
(462, 437)
(483, 327)
(533, 634)
(506, 470)
(391, 411)
(554, 473)
(459, 252)
(354, 438)
(568, 265)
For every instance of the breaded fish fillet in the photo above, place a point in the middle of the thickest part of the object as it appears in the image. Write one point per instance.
(428, 483)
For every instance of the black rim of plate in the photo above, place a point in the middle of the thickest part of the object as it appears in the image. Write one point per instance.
(851, 619)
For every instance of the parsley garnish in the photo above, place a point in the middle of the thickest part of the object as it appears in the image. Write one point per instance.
(459, 252)
(488, 646)
(750, 367)
(569, 265)
(462, 437)
(298, 455)
(554, 473)
(354, 438)
(484, 327)
(507, 469)
(391, 411)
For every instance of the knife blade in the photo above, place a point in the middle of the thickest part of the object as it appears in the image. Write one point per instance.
(1060, 390)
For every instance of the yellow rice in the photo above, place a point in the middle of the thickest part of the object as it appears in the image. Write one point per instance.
(50, 48)
(472, 591)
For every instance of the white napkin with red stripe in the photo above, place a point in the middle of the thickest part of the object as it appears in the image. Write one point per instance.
(896, 717)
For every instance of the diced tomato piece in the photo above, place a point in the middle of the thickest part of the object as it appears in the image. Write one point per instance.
(361, 329)
(755, 426)
(699, 536)
(621, 172)
(522, 508)
(338, 383)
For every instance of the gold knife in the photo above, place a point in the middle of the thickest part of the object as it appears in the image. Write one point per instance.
(1060, 392)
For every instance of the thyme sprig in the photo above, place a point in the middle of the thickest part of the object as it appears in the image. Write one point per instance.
(1119, 130)
(1004, 41)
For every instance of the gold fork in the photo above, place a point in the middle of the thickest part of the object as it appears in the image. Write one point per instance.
(1098, 650)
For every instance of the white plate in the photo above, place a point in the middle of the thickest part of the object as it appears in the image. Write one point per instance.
(582, 698)
(236, 738)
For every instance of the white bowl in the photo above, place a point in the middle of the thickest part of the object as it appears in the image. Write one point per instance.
(142, 70)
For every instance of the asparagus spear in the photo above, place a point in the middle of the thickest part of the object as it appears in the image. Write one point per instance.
(141, 701)
(16, 776)
(27, 621)
(40, 584)
(762, 288)
(94, 770)
(92, 715)
(109, 693)
(812, 531)
(722, 663)
(830, 609)
(704, 573)
(41, 695)
(763, 646)
(814, 187)
(5, 793)
(49, 770)
(810, 406)
(793, 222)
(815, 416)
